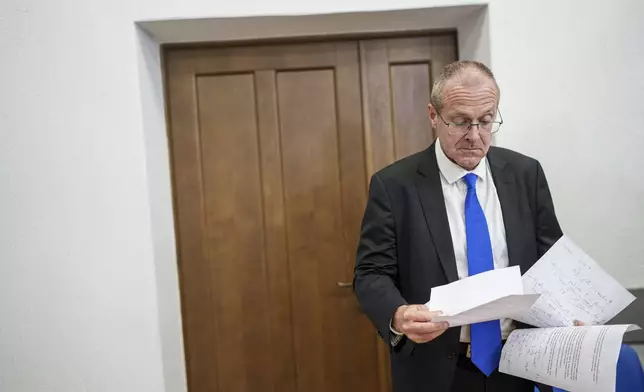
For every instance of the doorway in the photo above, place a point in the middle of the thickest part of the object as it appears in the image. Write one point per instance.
(272, 148)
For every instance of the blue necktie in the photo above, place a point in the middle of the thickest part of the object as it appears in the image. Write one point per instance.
(486, 336)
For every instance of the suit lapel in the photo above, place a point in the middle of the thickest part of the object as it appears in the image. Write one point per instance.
(430, 191)
(507, 191)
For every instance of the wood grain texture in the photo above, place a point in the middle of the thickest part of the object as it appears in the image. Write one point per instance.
(409, 95)
(284, 365)
(234, 227)
(376, 97)
(199, 326)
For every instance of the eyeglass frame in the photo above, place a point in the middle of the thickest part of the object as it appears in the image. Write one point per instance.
(471, 124)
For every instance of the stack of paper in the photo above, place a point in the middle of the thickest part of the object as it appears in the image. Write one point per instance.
(572, 287)
(565, 285)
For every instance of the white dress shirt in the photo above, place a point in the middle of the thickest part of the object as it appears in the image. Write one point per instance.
(454, 192)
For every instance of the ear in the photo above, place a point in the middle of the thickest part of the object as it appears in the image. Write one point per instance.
(433, 116)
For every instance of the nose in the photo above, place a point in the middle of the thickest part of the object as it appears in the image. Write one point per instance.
(473, 132)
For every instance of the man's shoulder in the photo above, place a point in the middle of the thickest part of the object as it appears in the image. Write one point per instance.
(403, 169)
(516, 159)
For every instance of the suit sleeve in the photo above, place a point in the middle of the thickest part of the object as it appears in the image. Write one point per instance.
(376, 269)
(547, 227)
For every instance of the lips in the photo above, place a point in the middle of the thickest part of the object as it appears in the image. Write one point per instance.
(471, 151)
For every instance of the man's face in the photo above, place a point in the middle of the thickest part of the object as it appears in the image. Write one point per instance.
(468, 97)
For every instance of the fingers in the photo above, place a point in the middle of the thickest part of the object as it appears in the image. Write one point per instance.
(416, 313)
(423, 328)
(578, 323)
(417, 324)
(419, 313)
(418, 319)
(424, 338)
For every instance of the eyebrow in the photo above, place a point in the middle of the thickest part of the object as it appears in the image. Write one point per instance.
(487, 112)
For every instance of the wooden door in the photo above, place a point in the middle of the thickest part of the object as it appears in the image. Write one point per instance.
(270, 170)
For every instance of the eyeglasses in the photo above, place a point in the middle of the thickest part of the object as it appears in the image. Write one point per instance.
(461, 128)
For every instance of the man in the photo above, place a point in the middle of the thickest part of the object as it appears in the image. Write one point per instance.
(456, 209)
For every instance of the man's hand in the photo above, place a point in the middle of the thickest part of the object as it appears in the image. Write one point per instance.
(415, 321)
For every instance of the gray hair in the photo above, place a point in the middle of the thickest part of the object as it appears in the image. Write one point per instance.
(450, 71)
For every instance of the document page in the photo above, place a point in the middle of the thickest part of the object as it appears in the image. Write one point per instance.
(505, 307)
(570, 358)
(572, 287)
(486, 296)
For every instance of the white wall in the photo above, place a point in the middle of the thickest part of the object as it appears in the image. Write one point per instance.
(82, 253)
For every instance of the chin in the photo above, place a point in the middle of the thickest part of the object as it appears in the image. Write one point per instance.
(469, 163)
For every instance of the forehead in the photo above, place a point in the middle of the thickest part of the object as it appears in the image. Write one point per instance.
(470, 91)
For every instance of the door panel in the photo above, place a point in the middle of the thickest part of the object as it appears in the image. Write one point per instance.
(409, 90)
(233, 206)
(311, 188)
(271, 149)
(196, 288)
(396, 85)
(275, 247)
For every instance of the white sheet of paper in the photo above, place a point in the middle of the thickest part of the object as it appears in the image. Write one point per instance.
(572, 287)
(504, 307)
(570, 358)
(486, 296)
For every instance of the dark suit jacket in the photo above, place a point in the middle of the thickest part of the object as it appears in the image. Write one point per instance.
(406, 249)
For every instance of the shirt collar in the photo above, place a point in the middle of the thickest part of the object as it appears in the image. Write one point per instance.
(453, 172)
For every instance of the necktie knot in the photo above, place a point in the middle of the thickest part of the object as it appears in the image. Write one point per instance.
(470, 180)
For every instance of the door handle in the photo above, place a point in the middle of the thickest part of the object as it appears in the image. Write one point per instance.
(345, 285)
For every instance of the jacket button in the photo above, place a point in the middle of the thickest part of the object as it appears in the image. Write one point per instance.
(451, 356)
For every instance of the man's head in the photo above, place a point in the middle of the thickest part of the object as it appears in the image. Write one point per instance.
(465, 93)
